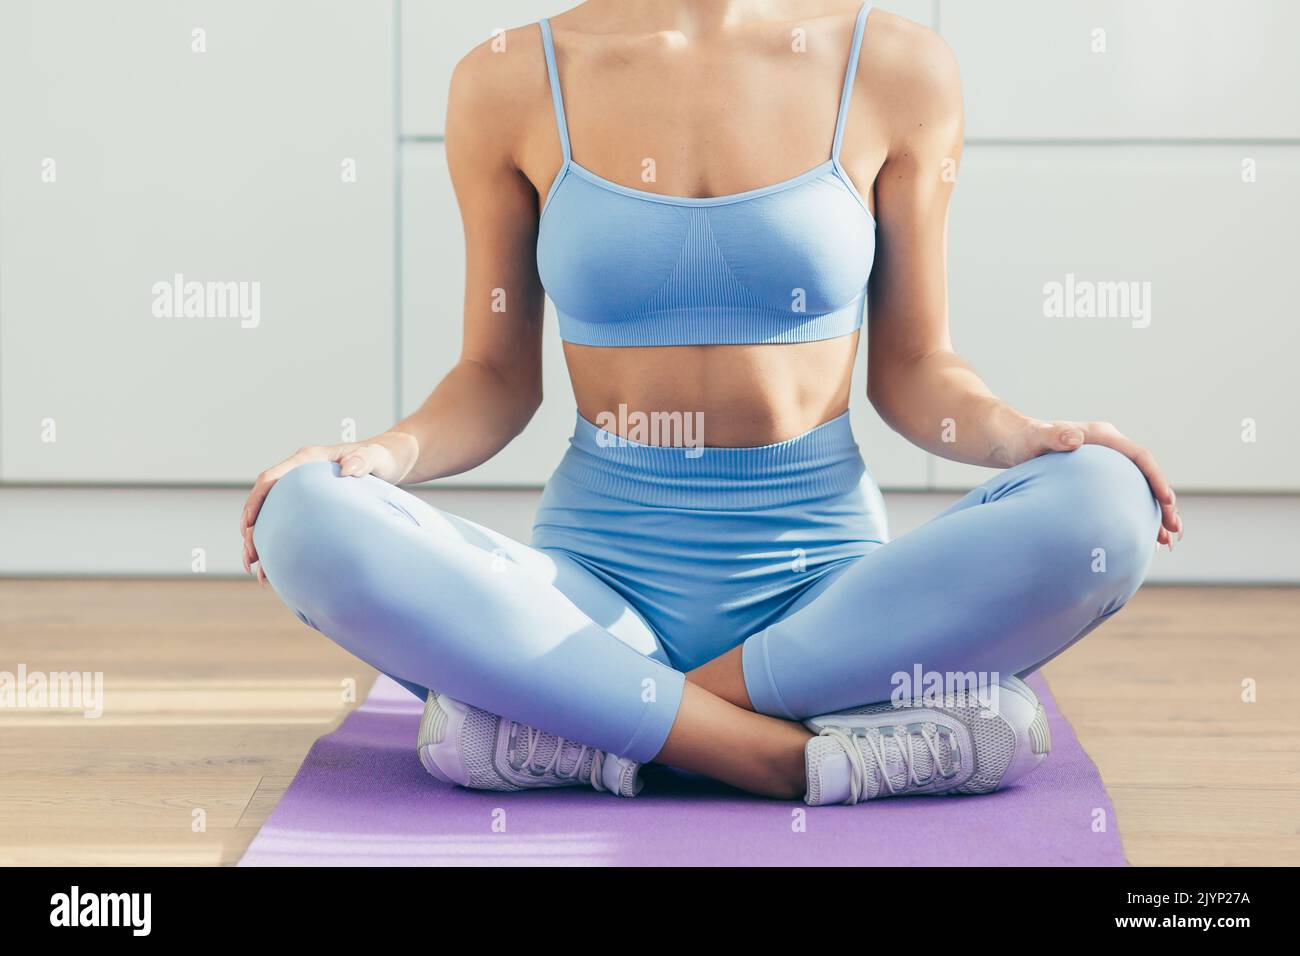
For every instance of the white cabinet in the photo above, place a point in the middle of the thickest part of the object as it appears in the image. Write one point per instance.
(212, 141)
(1124, 69)
(918, 11)
(436, 34)
(1203, 357)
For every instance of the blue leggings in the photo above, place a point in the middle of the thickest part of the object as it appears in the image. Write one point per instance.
(649, 561)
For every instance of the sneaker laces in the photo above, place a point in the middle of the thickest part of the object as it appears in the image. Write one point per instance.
(552, 766)
(874, 741)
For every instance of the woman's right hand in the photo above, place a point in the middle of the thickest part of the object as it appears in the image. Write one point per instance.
(389, 457)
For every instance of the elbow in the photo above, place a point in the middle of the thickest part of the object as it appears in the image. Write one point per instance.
(518, 385)
(876, 393)
(533, 400)
(528, 392)
(526, 397)
(883, 396)
(897, 391)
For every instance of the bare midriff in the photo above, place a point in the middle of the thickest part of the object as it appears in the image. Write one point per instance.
(738, 395)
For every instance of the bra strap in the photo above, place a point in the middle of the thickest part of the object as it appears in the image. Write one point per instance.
(553, 72)
(849, 75)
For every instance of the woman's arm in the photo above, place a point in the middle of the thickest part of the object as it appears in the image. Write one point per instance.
(496, 385)
(917, 383)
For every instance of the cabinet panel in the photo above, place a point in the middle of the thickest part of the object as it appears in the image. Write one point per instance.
(435, 35)
(1190, 339)
(1088, 69)
(217, 142)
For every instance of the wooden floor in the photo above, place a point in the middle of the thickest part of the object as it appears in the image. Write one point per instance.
(214, 693)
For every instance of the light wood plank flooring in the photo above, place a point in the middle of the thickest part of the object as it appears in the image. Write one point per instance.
(214, 693)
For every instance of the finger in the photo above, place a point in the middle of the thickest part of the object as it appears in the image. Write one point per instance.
(250, 551)
(266, 480)
(252, 509)
(1066, 436)
(1045, 437)
(1160, 487)
(356, 463)
(253, 506)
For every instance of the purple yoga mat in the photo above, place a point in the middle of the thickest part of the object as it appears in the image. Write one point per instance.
(361, 798)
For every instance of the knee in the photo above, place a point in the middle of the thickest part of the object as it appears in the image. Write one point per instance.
(314, 542)
(293, 511)
(306, 483)
(1110, 515)
(1110, 491)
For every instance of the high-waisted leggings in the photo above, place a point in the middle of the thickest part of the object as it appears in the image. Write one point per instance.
(648, 561)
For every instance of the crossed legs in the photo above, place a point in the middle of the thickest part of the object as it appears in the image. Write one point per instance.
(1007, 578)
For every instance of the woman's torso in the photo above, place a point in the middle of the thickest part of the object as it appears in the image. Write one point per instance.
(745, 109)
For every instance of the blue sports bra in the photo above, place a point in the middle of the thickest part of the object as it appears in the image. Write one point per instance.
(783, 263)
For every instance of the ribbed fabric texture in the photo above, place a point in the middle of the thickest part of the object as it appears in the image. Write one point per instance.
(703, 302)
(713, 325)
(820, 463)
(708, 544)
(789, 262)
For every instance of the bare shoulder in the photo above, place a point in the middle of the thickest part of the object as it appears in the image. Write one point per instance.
(497, 88)
(910, 74)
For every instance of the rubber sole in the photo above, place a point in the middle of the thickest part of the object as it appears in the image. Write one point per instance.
(435, 727)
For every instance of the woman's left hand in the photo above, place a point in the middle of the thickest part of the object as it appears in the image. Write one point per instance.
(1040, 437)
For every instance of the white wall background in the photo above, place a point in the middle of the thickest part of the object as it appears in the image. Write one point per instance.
(1132, 141)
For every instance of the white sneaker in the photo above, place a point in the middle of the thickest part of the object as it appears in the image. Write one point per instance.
(467, 746)
(952, 746)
